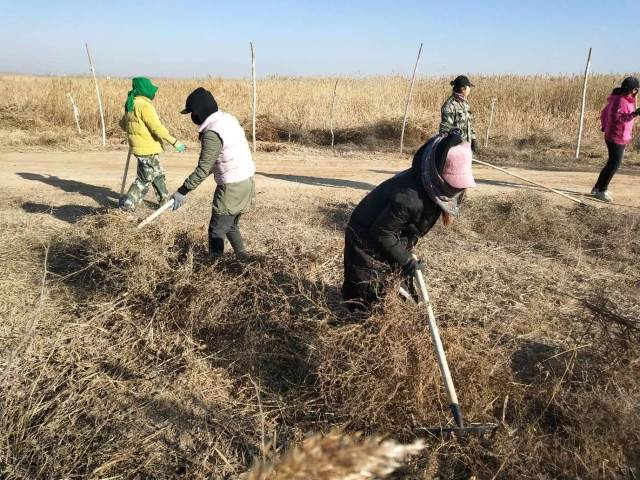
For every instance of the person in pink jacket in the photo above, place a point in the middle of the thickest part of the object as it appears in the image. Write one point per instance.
(617, 119)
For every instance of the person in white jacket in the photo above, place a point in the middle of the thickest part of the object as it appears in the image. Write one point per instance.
(225, 153)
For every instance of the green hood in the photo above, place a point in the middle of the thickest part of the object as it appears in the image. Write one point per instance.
(140, 86)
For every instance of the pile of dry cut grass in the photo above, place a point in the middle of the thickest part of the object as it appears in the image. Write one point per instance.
(154, 362)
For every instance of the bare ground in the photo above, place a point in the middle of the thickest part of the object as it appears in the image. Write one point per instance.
(69, 185)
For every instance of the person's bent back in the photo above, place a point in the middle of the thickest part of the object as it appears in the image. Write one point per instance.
(389, 221)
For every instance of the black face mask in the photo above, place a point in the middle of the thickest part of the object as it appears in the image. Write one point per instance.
(201, 104)
(198, 117)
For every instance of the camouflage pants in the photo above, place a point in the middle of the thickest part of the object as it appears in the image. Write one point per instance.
(149, 173)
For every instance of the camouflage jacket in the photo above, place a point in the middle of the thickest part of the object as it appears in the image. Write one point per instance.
(456, 113)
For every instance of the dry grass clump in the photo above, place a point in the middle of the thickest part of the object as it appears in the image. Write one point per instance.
(533, 221)
(110, 256)
(104, 389)
(338, 457)
(163, 364)
(535, 121)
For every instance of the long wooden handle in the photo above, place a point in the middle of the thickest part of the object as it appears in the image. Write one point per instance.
(126, 171)
(573, 199)
(437, 342)
(157, 213)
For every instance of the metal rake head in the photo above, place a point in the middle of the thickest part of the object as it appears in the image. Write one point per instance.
(467, 429)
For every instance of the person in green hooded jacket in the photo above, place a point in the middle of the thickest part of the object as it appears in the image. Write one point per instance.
(145, 133)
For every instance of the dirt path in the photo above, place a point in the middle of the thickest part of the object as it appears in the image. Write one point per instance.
(75, 181)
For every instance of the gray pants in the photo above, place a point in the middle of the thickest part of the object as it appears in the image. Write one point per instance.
(221, 226)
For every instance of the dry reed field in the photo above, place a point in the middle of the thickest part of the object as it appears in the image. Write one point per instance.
(535, 121)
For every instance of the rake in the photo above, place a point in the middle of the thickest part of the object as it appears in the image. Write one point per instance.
(460, 427)
(126, 171)
(157, 213)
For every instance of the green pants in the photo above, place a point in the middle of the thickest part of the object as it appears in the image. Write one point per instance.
(149, 173)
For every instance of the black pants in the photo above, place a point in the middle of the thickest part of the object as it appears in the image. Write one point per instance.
(616, 152)
(221, 226)
(364, 276)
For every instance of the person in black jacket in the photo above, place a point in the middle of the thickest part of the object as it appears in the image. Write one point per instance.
(388, 222)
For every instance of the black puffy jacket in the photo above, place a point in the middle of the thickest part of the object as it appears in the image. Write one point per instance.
(393, 216)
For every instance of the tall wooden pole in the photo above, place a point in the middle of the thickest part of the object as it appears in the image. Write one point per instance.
(253, 79)
(584, 101)
(76, 114)
(493, 106)
(406, 108)
(333, 106)
(95, 80)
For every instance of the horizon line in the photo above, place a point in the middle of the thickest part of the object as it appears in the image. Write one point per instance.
(327, 77)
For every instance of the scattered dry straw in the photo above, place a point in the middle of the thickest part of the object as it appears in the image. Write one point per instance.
(150, 361)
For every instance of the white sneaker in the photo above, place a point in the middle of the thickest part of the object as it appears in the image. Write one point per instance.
(604, 195)
(594, 191)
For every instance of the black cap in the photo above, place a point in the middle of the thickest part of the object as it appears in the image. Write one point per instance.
(199, 97)
(630, 83)
(462, 81)
(200, 104)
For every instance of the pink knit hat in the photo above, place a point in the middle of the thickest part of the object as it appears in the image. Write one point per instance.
(457, 167)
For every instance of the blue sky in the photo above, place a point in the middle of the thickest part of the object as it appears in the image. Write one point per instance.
(198, 38)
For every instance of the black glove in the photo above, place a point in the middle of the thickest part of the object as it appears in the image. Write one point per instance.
(638, 112)
(455, 131)
(410, 268)
(474, 146)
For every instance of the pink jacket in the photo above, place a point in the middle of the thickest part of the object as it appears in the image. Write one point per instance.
(617, 119)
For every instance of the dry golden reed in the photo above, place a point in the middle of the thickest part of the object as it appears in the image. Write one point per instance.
(527, 108)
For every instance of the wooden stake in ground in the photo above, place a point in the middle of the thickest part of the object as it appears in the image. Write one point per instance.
(493, 106)
(95, 80)
(584, 101)
(406, 108)
(253, 106)
(573, 199)
(333, 106)
(76, 114)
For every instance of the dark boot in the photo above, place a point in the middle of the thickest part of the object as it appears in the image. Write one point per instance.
(219, 225)
(160, 186)
(235, 239)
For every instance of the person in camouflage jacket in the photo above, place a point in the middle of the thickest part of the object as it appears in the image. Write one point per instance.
(456, 111)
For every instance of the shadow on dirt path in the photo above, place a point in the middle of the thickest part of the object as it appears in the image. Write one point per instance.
(320, 181)
(103, 196)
